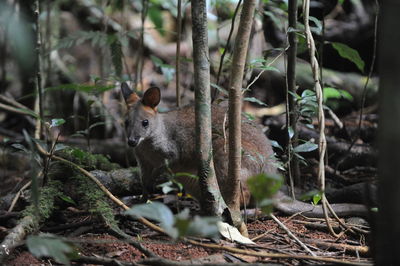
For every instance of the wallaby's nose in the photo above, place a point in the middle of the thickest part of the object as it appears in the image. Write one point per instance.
(133, 141)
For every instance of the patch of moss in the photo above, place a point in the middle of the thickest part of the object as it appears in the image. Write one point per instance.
(94, 199)
(47, 197)
(88, 160)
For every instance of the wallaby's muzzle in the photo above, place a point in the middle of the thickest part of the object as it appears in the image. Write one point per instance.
(133, 141)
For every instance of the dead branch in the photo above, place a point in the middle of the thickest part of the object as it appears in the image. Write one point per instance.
(286, 205)
(16, 235)
(292, 235)
(362, 250)
(276, 255)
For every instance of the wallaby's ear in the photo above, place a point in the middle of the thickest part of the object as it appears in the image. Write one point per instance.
(152, 97)
(129, 96)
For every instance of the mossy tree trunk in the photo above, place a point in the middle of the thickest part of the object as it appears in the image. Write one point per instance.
(211, 200)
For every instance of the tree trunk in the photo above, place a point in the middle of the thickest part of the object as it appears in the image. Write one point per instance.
(211, 200)
(292, 113)
(235, 103)
(388, 224)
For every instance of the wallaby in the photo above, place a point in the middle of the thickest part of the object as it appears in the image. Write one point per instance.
(160, 137)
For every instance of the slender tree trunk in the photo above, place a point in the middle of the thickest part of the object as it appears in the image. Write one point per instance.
(388, 227)
(211, 200)
(292, 113)
(178, 54)
(39, 133)
(235, 101)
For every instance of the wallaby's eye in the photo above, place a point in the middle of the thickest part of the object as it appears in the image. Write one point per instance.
(145, 123)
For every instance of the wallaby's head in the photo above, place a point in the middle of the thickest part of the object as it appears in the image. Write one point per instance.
(142, 120)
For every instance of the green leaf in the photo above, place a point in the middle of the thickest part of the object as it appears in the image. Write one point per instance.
(167, 187)
(317, 198)
(350, 54)
(309, 195)
(19, 147)
(374, 209)
(333, 93)
(275, 144)
(290, 132)
(189, 175)
(254, 100)
(57, 122)
(317, 23)
(203, 227)
(263, 187)
(156, 17)
(67, 199)
(219, 88)
(51, 246)
(249, 116)
(96, 125)
(29, 112)
(306, 147)
(158, 212)
(302, 44)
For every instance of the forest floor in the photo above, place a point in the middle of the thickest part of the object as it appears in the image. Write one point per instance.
(97, 245)
(94, 240)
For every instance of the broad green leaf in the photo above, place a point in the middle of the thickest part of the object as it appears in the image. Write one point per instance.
(55, 122)
(333, 93)
(51, 246)
(203, 227)
(317, 23)
(158, 212)
(350, 54)
(317, 198)
(254, 100)
(156, 17)
(309, 195)
(263, 187)
(306, 147)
